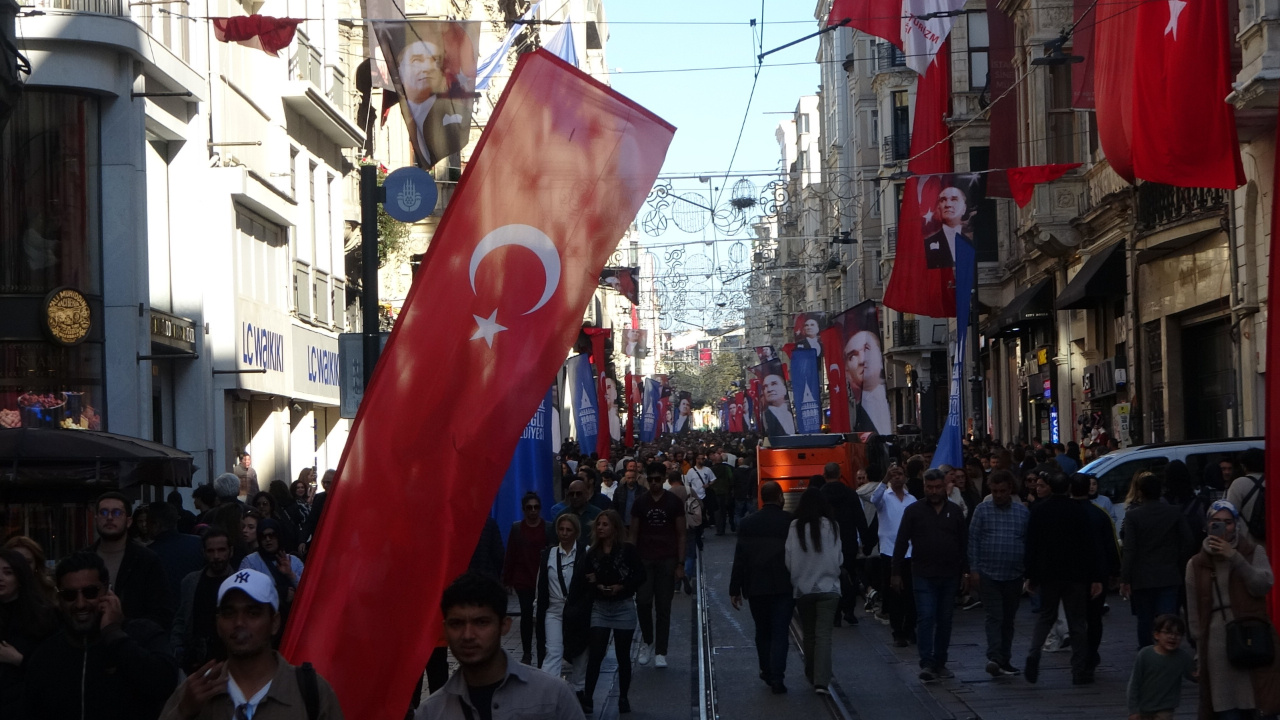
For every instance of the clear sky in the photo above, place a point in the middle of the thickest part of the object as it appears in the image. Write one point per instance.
(707, 107)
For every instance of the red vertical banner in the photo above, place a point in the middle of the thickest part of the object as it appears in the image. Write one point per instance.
(753, 393)
(914, 286)
(629, 436)
(1082, 46)
(1113, 58)
(837, 388)
(502, 290)
(1272, 412)
(1001, 75)
(603, 440)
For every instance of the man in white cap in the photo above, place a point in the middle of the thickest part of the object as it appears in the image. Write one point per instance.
(255, 681)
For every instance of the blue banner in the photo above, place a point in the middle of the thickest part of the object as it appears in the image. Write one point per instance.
(805, 390)
(649, 410)
(950, 449)
(586, 415)
(530, 470)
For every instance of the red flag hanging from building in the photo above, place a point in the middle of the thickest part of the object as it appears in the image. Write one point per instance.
(833, 357)
(499, 303)
(879, 18)
(1082, 46)
(1112, 63)
(1001, 76)
(268, 34)
(1023, 180)
(914, 286)
(1184, 130)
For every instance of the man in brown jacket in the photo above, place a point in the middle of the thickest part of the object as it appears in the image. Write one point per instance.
(254, 680)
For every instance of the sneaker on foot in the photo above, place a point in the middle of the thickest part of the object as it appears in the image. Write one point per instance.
(1009, 669)
(993, 668)
(643, 654)
(1033, 669)
(972, 603)
(659, 661)
(927, 675)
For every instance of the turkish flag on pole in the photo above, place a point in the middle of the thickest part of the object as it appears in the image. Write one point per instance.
(880, 18)
(559, 174)
(1112, 63)
(629, 435)
(268, 34)
(603, 439)
(1023, 180)
(1184, 130)
(914, 287)
(833, 353)
(1272, 418)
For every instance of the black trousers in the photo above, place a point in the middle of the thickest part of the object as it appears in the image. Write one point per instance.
(1093, 616)
(597, 649)
(657, 590)
(900, 605)
(526, 620)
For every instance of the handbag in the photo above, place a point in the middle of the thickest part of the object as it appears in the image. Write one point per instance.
(1250, 641)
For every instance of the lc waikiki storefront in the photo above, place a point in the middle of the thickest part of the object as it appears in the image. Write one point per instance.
(281, 401)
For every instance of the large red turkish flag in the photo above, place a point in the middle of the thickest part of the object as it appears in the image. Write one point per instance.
(837, 389)
(559, 174)
(914, 287)
(879, 18)
(1184, 130)
(1112, 64)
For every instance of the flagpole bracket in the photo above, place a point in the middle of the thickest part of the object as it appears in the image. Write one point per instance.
(826, 29)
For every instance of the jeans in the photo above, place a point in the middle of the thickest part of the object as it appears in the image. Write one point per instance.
(817, 612)
(1074, 597)
(743, 508)
(1150, 603)
(772, 616)
(935, 605)
(1000, 600)
(526, 620)
(555, 662)
(658, 587)
(899, 605)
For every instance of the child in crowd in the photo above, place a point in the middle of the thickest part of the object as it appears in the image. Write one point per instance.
(1155, 687)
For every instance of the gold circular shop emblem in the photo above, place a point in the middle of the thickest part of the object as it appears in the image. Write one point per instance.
(66, 315)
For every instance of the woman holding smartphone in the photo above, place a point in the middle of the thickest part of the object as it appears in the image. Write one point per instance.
(1227, 580)
(614, 572)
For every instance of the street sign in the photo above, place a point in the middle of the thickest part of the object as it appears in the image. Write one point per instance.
(410, 194)
(351, 370)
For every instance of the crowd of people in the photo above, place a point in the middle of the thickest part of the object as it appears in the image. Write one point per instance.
(178, 614)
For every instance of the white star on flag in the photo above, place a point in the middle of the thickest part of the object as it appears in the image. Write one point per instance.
(487, 328)
(1175, 11)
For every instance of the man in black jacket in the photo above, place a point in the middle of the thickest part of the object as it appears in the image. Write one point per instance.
(847, 508)
(1157, 545)
(1063, 562)
(102, 666)
(180, 555)
(135, 574)
(1104, 533)
(760, 573)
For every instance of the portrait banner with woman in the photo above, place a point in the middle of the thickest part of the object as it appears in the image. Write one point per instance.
(863, 368)
(431, 65)
(808, 328)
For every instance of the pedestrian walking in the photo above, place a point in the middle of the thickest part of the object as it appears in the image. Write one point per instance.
(195, 632)
(489, 683)
(1108, 553)
(1063, 565)
(935, 530)
(564, 607)
(271, 560)
(135, 574)
(1228, 580)
(27, 618)
(997, 555)
(723, 489)
(658, 534)
(814, 557)
(577, 501)
(760, 574)
(614, 572)
(846, 508)
(1155, 687)
(891, 499)
(744, 488)
(1157, 545)
(525, 544)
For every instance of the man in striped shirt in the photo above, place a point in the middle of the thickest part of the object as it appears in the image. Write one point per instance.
(997, 549)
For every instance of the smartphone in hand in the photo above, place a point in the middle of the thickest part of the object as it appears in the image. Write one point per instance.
(1218, 528)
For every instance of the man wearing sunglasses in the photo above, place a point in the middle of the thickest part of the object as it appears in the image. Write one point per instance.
(577, 501)
(102, 666)
(134, 570)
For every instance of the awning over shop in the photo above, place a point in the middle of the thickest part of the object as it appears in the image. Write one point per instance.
(1030, 305)
(1101, 277)
(86, 457)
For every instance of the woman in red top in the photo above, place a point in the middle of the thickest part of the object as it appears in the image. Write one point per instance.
(520, 568)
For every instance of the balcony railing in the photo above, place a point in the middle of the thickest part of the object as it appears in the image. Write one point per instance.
(1161, 205)
(895, 148)
(891, 241)
(889, 57)
(906, 333)
(103, 7)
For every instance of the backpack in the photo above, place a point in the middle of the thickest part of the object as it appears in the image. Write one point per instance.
(692, 511)
(1257, 518)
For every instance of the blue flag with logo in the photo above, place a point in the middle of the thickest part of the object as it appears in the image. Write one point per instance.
(950, 450)
(530, 470)
(649, 410)
(805, 390)
(586, 415)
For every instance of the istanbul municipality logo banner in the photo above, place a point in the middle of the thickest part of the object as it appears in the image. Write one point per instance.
(804, 387)
(649, 413)
(586, 415)
(529, 471)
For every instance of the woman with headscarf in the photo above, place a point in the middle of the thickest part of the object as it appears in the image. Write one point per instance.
(1229, 580)
(267, 506)
(271, 559)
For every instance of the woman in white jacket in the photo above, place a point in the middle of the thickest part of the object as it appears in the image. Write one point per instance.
(814, 558)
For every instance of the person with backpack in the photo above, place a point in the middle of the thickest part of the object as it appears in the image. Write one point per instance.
(255, 680)
(1248, 493)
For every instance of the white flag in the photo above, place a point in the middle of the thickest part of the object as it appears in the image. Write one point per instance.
(921, 37)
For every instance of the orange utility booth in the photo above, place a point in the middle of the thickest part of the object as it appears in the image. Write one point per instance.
(791, 460)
